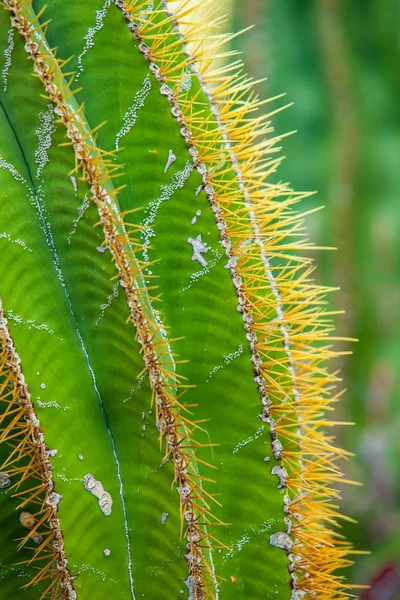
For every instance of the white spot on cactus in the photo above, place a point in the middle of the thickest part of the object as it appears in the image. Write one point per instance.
(52, 453)
(74, 182)
(43, 386)
(196, 276)
(80, 456)
(167, 191)
(44, 135)
(9, 167)
(227, 360)
(18, 320)
(7, 54)
(171, 159)
(186, 85)
(199, 248)
(50, 404)
(105, 503)
(5, 481)
(250, 439)
(89, 37)
(37, 539)
(101, 249)
(7, 237)
(130, 117)
(197, 215)
(164, 518)
(281, 540)
(81, 210)
(247, 537)
(103, 307)
(95, 487)
(107, 552)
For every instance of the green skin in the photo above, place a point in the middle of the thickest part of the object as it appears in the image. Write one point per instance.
(87, 357)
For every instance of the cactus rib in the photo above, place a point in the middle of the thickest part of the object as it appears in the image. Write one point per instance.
(25, 437)
(299, 335)
(173, 425)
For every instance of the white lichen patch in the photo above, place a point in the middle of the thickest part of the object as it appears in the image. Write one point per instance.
(44, 135)
(96, 488)
(5, 481)
(81, 211)
(198, 249)
(170, 161)
(7, 237)
(130, 117)
(226, 361)
(281, 540)
(250, 439)
(89, 37)
(196, 216)
(105, 503)
(282, 474)
(7, 55)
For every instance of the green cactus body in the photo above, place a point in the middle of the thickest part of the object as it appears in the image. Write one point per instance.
(157, 328)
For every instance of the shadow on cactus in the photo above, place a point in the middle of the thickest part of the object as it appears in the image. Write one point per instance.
(164, 347)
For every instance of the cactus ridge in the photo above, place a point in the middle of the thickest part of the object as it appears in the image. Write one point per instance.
(288, 328)
(299, 334)
(174, 426)
(32, 480)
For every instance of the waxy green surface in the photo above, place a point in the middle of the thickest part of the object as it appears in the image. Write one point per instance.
(93, 404)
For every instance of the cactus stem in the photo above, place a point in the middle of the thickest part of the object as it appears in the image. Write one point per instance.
(20, 429)
(164, 382)
(281, 304)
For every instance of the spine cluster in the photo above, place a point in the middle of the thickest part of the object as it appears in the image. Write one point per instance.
(20, 429)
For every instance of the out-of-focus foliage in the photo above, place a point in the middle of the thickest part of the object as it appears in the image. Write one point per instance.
(339, 62)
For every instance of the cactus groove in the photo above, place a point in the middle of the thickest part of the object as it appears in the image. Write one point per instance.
(164, 346)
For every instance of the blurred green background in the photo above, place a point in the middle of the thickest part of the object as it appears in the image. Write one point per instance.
(339, 62)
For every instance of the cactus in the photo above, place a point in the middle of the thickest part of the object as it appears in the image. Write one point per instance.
(164, 346)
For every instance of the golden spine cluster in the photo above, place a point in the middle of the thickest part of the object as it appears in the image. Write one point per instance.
(31, 478)
(167, 386)
(284, 311)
